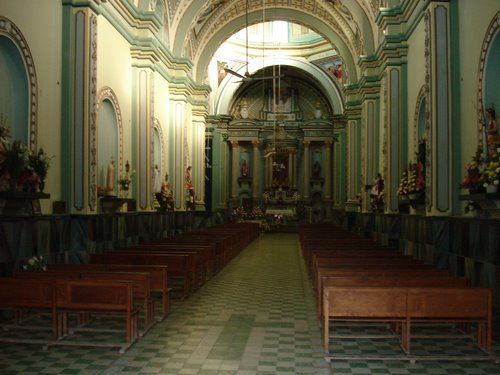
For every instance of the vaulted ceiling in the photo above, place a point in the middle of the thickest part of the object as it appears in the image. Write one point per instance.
(197, 27)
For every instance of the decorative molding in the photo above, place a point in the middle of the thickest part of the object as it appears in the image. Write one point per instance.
(143, 139)
(79, 93)
(11, 31)
(93, 108)
(442, 111)
(151, 138)
(106, 93)
(429, 108)
(493, 29)
(158, 127)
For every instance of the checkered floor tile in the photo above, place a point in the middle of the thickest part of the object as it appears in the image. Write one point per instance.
(257, 316)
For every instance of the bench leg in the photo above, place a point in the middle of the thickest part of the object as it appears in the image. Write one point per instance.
(326, 333)
(406, 336)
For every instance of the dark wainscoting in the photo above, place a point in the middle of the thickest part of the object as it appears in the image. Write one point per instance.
(70, 238)
(466, 246)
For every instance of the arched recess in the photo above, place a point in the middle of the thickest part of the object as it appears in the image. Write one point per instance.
(489, 69)
(109, 136)
(421, 117)
(229, 86)
(159, 152)
(202, 61)
(19, 99)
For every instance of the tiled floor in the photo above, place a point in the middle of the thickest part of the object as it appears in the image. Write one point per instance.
(256, 317)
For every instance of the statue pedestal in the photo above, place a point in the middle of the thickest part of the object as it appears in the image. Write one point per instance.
(488, 203)
(114, 204)
(20, 203)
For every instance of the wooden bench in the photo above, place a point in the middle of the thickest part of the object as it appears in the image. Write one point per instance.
(92, 296)
(179, 265)
(420, 280)
(141, 283)
(38, 295)
(158, 277)
(405, 305)
(62, 296)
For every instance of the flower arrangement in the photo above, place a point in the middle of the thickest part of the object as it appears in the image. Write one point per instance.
(490, 177)
(473, 173)
(239, 213)
(35, 263)
(20, 168)
(412, 180)
(126, 179)
(40, 163)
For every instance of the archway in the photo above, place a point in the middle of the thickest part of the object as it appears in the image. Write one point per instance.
(14, 101)
(107, 136)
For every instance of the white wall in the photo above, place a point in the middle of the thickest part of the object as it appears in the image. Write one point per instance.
(40, 23)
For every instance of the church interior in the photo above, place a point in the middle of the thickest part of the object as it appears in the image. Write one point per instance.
(256, 186)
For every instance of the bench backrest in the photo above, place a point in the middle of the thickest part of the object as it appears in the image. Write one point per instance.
(94, 295)
(27, 293)
(363, 302)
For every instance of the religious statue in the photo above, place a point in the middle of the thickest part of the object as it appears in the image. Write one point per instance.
(166, 196)
(156, 180)
(244, 109)
(493, 139)
(110, 178)
(190, 195)
(377, 194)
(316, 171)
(244, 168)
(317, 110)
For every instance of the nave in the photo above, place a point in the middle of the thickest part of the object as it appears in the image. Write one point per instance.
(257, 316)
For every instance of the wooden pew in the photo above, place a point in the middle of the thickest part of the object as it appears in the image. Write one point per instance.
(179, 265)
(158, 277)
(420, 280)
(141, 283)
(89, 296)
(405, 305)
(33, 295)
(203, 257)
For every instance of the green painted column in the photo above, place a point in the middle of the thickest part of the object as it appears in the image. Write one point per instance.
(78, 109)
(440, 186)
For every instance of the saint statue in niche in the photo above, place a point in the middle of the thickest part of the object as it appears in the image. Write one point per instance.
(244, 109)
(244, 168)
(492, 137)
(110, 178)
(316, 170)
(156, 180)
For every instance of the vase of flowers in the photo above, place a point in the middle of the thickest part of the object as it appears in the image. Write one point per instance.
(15, 161)
(35, 263)
(40, 162)
(126, 179)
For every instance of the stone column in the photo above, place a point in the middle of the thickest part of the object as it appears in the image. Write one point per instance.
(328, 170)
(256, 170)
(234, 170)
(290, 169)
(306, 170)
(269, 172)
(294, 166)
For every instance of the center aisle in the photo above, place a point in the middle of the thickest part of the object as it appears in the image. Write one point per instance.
(257, 316)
